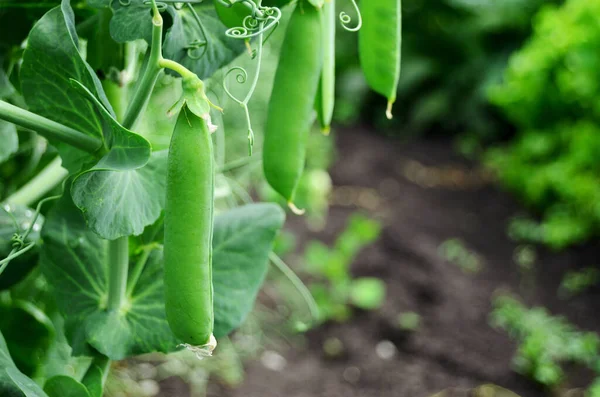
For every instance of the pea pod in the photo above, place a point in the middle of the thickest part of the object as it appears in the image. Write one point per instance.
(326, 93)
(379, 42)
(188, 231)
(290, 110)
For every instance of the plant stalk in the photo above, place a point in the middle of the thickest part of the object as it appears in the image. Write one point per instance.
(42, 183)
(149, 76)
(48, 128)
(117, 272)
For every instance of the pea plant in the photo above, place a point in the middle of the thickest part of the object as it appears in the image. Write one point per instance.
(114, 239)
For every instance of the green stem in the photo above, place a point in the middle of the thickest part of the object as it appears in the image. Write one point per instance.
(52, 175)
(235, 164)
(117, 272)
(138, 268)
(176, 67)
(150, 75)
(48, 128)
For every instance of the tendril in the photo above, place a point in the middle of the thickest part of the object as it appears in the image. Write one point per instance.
(260, 20)
(161, 5)
(18, 241)
(199, 43)
(345, 19)
(241, 78)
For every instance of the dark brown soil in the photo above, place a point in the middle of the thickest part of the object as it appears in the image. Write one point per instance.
(454, 346)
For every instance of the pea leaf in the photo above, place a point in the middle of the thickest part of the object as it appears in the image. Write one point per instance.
(12, 381)
(75, 261)
(183, 39)
(243, 238)
(119, 196)
(50, 60)
(65, 386)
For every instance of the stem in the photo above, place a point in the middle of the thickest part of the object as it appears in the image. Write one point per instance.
(138, 268)
(52, 175)
(150, 75)
(297, 283)
(176, 67)
(48, 128)
(235, 164)
(117, 272)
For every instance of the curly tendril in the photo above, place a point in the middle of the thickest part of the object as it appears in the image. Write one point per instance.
(255, 25)
(241, 78)
(346, 19)
(193, 48)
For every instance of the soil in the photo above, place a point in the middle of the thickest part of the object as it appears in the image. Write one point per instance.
(424, 194)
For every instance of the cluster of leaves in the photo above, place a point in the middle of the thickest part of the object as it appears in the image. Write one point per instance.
(549, 92)
(455, 252)
(546, 342)
(57, 319)
(334, 288)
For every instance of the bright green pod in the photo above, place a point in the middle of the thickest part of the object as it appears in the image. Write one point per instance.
(290, 110)
(379, 43)
(326, 93)
(189, 230)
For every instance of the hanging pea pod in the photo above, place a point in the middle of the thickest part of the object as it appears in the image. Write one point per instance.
(188, 232)
(379, 42)
(291, 105)
(325, 100)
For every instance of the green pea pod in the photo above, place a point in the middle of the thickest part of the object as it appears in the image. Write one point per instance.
(188, 232)
(291, 105)
(325, 100)
(379, 42)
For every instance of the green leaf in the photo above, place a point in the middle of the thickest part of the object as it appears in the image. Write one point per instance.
(367, 293)
(243, 238)
(50, 60)
(28, 332)
(65, 386)
(16, 219)
(219, 51)
(12, 381)
(121, 203)
(75, 262)
(132, 20)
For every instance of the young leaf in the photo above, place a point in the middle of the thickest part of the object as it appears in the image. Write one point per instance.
(12, 381)
(52, 58)
(243, 238)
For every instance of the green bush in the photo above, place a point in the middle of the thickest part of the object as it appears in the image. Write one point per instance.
(551, 92)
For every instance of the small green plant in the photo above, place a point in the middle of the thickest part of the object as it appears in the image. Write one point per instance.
(455, 252)
(574, 283)
(546, 342)
(409, 321)
(334, 289)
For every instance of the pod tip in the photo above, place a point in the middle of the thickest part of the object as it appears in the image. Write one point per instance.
(388, 111)
(204, 350)
(295, 209)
